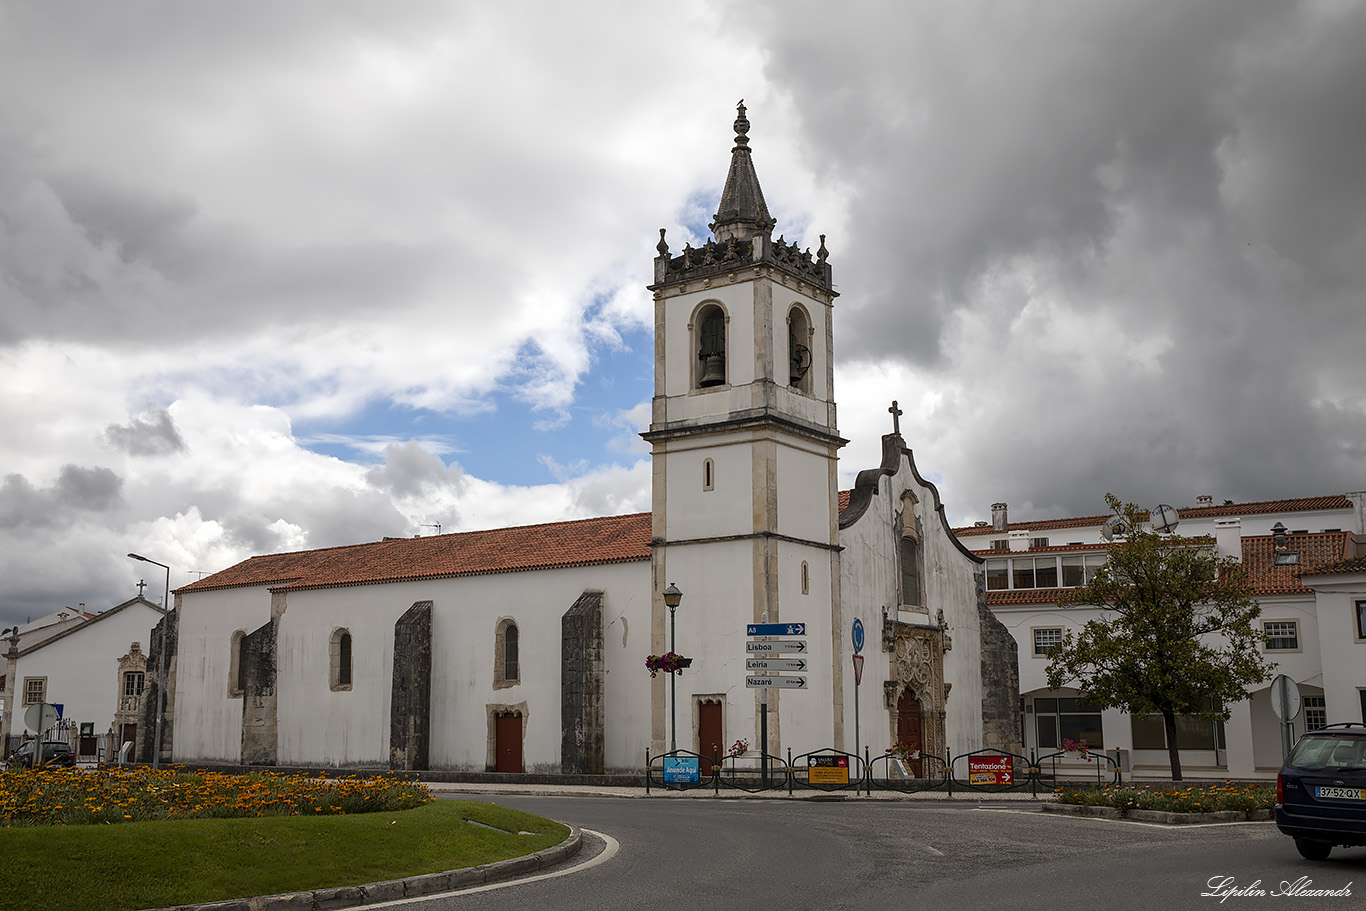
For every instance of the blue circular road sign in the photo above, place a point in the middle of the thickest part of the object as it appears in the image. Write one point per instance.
(858, 635)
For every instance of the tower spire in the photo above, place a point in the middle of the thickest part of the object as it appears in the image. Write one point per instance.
(743, 214)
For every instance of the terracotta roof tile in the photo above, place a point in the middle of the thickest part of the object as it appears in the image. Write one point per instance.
(612, 539)
(1260, 507)
(1350, 565)
(844, 499)
(1315, 550)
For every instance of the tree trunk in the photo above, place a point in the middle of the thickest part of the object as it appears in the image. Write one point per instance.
(1173, 754)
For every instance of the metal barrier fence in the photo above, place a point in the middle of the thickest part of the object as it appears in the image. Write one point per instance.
(983, 771)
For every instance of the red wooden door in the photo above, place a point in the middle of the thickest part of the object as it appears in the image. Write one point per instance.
(507, 742)
(709, 734)
(908, 728)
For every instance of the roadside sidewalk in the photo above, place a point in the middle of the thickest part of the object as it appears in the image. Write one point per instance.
(706, 793)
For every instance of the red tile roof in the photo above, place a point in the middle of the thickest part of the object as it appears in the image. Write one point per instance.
(1350, 565)
(586, 542)
(1261, 507)
(1317, 550)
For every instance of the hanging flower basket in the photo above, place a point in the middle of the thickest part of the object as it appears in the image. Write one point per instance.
(669, 663)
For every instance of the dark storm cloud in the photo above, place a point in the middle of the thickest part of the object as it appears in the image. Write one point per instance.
(77, 490)
(150, 433)
(1187, 176)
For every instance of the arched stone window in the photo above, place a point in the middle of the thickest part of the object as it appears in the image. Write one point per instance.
(506, 655)
(711, 347)
(339, 660)
(798, 350)
(237, 664)
(708, 474)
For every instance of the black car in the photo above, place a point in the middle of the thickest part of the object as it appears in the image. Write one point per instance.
(1321, 790)
(55, 753)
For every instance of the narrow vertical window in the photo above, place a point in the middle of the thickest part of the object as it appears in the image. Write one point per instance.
(339, 659)
(708, 474)
(507, 670)
(806, 579)
(510, 668)
(910, 571)
(237, 664)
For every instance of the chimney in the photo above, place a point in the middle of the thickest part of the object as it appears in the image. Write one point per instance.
(1228, 537)
(1205, 500)
(998, 517)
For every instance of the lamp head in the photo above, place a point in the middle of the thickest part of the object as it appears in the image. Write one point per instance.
(672, 596)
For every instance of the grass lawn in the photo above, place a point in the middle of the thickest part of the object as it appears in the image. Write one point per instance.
(159, 863)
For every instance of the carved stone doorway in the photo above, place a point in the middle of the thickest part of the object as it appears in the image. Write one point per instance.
(908, 729)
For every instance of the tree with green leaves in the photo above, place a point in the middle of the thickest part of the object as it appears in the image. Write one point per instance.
(1176, 635)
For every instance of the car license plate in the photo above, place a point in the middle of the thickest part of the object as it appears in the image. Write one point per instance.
(1342, 793)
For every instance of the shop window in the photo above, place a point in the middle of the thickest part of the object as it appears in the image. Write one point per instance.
(1068, 718)
(1192, 733)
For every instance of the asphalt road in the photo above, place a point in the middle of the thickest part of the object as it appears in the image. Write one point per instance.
(690, 854)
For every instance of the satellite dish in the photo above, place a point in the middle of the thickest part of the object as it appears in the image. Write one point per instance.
(1115, 525)
(1165, 519)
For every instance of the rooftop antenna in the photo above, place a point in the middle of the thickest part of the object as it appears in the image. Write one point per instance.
(436, 525)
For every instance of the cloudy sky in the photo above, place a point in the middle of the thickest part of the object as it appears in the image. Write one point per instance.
(287, 275)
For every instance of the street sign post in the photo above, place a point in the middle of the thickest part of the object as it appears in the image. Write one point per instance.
(775, 683)
(776, 664)
(856, 634)
(1285, 702)
(776, 647)
(775, 629)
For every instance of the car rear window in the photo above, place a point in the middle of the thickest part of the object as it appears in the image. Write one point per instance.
(1317, 753)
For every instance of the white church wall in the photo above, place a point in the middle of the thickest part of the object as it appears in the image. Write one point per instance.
(804, 494)
(208, 725)
(726, 508)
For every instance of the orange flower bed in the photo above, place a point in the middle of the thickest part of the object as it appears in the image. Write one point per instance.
(106, 796)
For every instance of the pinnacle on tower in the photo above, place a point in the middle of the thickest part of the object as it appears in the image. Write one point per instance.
(743, 214)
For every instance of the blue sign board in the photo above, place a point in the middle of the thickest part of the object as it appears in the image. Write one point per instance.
(681, 770)
(775, 629)
(858, 635)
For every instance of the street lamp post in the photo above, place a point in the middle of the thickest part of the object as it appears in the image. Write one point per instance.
(161, 664)
(672, 596)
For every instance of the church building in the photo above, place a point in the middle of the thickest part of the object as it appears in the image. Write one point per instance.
(525, 649)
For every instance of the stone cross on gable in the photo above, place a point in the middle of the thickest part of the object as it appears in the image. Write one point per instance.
(896, 414)
(141, 586)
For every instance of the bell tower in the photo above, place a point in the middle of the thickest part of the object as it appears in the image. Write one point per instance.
(744, 447)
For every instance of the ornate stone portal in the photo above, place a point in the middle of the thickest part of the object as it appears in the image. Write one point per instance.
(918, 670)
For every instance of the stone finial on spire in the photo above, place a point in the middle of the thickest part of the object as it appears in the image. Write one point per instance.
(741, 125)
(663, 245)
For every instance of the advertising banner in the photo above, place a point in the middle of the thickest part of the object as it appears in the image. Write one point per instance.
(990, 770)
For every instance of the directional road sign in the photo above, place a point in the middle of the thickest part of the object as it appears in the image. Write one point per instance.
(776, 683)
(857, 634)
(777, 647)
(775, 629)
(775, 664)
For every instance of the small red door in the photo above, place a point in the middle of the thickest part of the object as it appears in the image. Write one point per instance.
(507, 742)
(908, 728)
(709, 734)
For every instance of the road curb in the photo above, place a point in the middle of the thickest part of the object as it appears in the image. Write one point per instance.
(1160, 816)
(393, 889)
